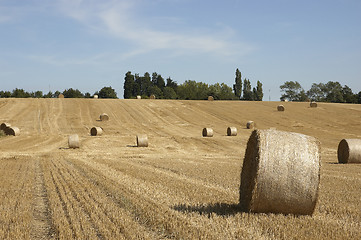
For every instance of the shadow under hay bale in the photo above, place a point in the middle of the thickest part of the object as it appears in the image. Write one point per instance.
(12, 131)
(104, 117)
(280, 108)
(231, 131)
(280, 173)
(142, 140)
(4, 125)
(349, 151)
(73, 141)
(96, 131)
(250, 125)
(207, 132)
(221, 209)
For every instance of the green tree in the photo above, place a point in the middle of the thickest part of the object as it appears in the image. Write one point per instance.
(48, 95)
(348, 95)
(169, 93)
(258, 92)
(247, 90)
(129, 85)
(317, 92)
(156, 91)
(5, 94)
(237, 87)
(359, 97)
(293, 91)
(171, 84)
(87, 95)
(334, 92)
(158, 80)
(20, 93)
(56, 94)
(72, 93)
(107, 92)
(38, 94)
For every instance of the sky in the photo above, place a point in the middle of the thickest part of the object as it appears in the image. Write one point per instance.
(89, 44)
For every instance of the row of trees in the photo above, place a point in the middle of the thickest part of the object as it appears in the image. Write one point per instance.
(147, 85)
(105, 92)
(319, 92)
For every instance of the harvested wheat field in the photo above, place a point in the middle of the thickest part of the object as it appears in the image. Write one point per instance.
(182, 186)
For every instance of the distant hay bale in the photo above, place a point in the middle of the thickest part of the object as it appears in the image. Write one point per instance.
(280, 108)
(4, 125)
(142, 140)
(210, 98)
(61, 95)
(96, 131)
(207, 132)
(231, 131)
(280, 173)
(152, 96)
(139, 97)
(73, 141)
(95, 96)
(313, 104)
(250, 124)
(104, 117)
(13, 131)
(349, 151)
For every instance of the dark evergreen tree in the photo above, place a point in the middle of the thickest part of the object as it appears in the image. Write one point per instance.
(237, 87)
(129, 85)
(258, 94)
(171, 84)
(247, 90)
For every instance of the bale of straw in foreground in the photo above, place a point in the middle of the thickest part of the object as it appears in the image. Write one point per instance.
(104, 117)
(207, 132)
(280, 173)
(210, 98)
(96, 131)
(349, 151)
(313, 105)
(4, 125)
(280, 108)
(142, 140)
(73, 141)
(231, 131)
(13, 131)
(250, 124)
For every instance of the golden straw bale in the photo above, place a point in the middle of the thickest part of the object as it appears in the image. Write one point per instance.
(313, 105)
(96, 131)
(210, 98)
(231, 131)
(152, 96)
(73, 141)
(61, 95)
(4, 125)
(250, 124)
(104, 117)
(207, 132)
(142, 140)
(13, 131)
(280, 108)
(280, 173)
(349, 151)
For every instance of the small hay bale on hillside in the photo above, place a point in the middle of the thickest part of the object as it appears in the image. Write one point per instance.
(142, 140)
(96, 131)
(280, 173)
(313, 105)
(95, 96)
(104, 117)
(61, 95)
(250, 124)
(73, 141)
(210, 98)
(152, 96)
(4, 125)
(207, 132)
(349, 151)
(280, 108)
(13, 131)
(139, 97)
(231, 131)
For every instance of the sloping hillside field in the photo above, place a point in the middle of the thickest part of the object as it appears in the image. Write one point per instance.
(181, 186)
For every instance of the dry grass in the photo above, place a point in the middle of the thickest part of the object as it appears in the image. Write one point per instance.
(182, 186)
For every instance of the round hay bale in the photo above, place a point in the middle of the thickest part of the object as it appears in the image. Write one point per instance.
(13, 131)
(61, 95)
(231, 131)
(313, 105)
(280, 173)
(139, 97)
(207, 132)
(152, 96)
(210, 98)
(142, 140)
(4, 125)
(96, 131)
(349, 151)
(73, 141)
(95, 96)
(280, 108)
(104, 117)
(250, 124)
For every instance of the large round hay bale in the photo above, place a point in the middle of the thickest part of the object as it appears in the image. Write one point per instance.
(142, 140)
(250, 124)
(280, 173)
(139, 97)
(349, 151)
(96, 131)
(313, 105)
(61, 95)
(104, 117)
(231, 131)
(210, 98)
(152, 96)
(13, 131)
(280, 108)
(207, 132)
(4, 125)
(73, 141)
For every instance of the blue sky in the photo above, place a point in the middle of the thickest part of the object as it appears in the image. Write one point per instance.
(89, 44)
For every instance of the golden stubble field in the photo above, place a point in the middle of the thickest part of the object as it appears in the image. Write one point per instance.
(183, 186)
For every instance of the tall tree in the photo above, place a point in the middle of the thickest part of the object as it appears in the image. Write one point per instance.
(171, 84)
(237, 87)
(317, 92)
(334, 92)
(128, 85)
(258, 94)
(107, 92)
(293, 91)
(247, 90)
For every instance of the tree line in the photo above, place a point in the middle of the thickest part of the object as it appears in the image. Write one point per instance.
(105, 92)
(147, 85)
(319, 92)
